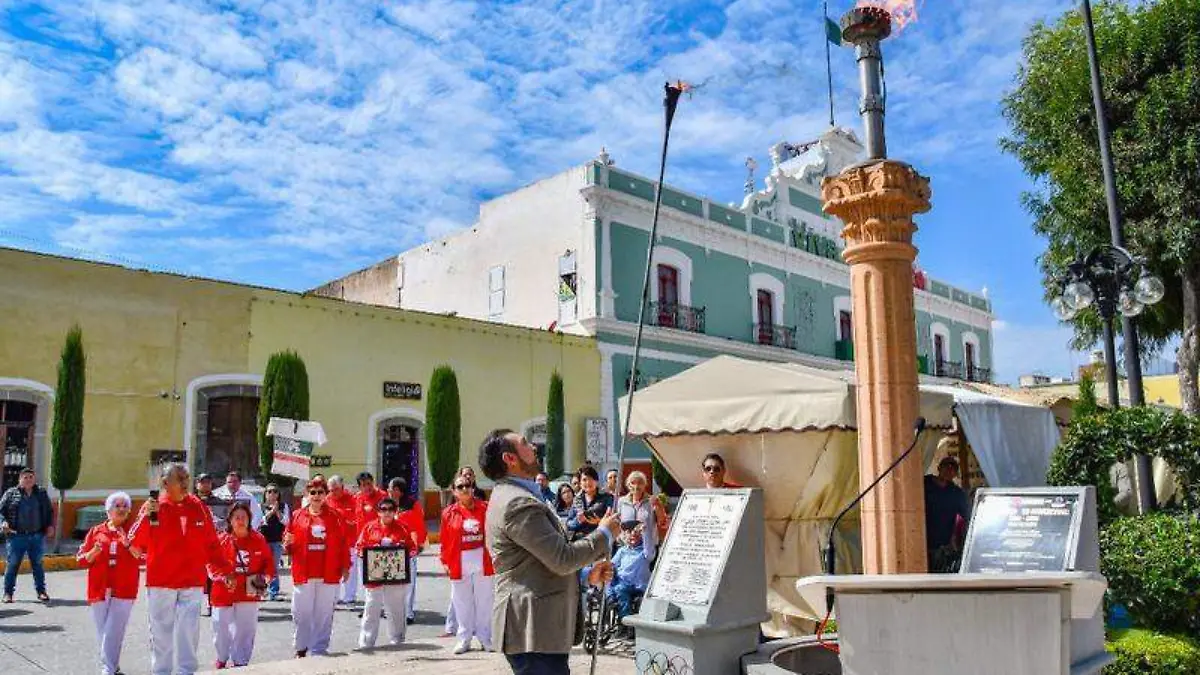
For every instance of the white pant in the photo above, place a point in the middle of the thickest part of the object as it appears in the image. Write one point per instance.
(451, 620)
(233, 632)
(412, 590)
(472, 599)
(348, 592)
(111, 616)
(174, 629)
(395, 599)
(312, 612)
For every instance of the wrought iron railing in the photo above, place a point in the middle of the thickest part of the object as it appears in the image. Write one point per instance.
(681, 317)
(951, 369)
(775, 336)
(978, 374)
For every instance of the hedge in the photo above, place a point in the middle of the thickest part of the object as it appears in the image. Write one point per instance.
(1143, 652)
(1152, 569)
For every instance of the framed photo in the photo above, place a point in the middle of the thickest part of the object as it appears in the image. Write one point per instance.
(386, 565)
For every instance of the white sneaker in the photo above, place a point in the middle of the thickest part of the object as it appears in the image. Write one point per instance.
(462, 647)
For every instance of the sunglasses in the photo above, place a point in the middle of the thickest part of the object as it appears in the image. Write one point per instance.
(386, 509)
(712, 468)
(462, 486)
(313, 493)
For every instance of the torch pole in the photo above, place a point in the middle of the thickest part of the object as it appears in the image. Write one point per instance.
(670, 102)
(1133, 362)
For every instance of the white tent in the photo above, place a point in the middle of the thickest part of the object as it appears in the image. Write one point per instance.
(791, 430)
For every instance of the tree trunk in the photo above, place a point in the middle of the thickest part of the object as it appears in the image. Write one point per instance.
(58, 519)
(1188, 355)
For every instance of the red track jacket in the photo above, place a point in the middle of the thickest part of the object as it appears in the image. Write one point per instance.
(457, 535)
(315, 538)
(249, 556)
(115, 569)
(180, 545)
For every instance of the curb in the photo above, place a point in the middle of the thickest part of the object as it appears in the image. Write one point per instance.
(52, 563)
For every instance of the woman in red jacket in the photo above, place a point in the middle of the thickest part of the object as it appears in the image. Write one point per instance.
(235, 596)
(316, 540)
(112, 580)
(387, 530)
(410, 513)
(468, 565)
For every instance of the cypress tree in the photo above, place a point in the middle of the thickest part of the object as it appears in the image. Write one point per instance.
(556, 432)
(66, 433)
(284, 394)
(443, 426)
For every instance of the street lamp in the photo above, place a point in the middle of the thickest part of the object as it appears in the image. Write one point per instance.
(1114, 281)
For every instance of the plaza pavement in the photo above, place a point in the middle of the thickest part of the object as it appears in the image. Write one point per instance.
(37, 639)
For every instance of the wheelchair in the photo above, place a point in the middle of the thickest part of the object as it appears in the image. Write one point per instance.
(602, 629)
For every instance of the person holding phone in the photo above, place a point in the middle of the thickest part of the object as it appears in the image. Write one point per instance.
(235, 596)
(316, 541)
(386, 530)
(276, 516)
(112, 579)
(590, 505)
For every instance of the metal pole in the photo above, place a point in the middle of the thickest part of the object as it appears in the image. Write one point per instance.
(1110, 364)
(1133, 364)
(828, 63)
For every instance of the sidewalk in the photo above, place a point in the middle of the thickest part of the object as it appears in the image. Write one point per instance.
(422, 658)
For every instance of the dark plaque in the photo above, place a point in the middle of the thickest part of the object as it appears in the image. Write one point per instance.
(386, 565)
(1023, 531)
(405, 390)
(321, 461)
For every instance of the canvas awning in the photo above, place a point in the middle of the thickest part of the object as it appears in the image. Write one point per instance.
(726, 395)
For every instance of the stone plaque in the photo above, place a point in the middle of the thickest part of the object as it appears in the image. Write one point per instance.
(1023, 532)
(698, 545)
(596, 435)
(404, 390)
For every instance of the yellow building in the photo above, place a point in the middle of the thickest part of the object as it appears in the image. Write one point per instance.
(175, 365)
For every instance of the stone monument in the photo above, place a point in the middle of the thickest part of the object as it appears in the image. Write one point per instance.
(702, 610)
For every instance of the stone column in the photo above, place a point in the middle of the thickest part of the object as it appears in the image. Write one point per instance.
(876, 202)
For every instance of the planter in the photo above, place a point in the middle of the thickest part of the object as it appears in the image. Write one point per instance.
(802, 655)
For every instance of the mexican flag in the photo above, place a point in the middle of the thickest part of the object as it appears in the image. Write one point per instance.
(833, 32)
(293, 443)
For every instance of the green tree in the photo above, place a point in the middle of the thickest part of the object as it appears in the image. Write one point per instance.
(443, 426)
(659, 472)
(284, 394)
(1150, 61)
(66, 433)
(1086, 404)
(556, 432)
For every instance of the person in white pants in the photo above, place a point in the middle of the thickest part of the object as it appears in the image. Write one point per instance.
(385, 532)
(316, 539)
(112, 581)
(468, 565)
(176, 532)
(235, 597)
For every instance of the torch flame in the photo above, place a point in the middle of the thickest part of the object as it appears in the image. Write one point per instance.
(683, 87)
(903, 12)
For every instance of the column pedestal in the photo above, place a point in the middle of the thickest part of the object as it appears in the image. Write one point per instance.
(876, 202)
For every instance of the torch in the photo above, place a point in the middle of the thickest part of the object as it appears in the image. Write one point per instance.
(865, 27)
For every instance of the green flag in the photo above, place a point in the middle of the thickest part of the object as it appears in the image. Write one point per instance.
(833, 33)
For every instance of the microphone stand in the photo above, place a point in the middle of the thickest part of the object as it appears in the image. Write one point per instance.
(830, 557)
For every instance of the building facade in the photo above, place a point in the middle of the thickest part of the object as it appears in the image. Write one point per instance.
(174, 370)
(762, 280)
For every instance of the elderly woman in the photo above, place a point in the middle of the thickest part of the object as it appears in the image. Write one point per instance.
(637, 505)
(112, 579)
(235, 596)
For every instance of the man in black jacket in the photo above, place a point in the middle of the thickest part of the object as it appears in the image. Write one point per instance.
(26, 519)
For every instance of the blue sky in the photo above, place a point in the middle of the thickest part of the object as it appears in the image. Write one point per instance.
(286, 142)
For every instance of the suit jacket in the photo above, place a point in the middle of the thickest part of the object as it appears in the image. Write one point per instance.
(535, 566)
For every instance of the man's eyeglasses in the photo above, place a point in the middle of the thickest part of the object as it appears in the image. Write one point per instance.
(713, 468)
(314, 493)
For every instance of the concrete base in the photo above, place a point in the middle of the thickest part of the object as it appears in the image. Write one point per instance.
(803, 655)
(688, 648)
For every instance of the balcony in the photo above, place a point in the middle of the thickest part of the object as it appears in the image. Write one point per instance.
(680, 317)
(775, 336)
(950, 369)
(979, 374)
(844, 350)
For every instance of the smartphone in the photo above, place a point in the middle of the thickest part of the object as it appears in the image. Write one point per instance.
(154, 514)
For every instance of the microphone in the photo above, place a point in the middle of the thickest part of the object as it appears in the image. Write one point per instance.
(830, 558)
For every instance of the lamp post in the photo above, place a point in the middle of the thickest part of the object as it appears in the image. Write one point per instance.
(1133, 363)
(1114, 281)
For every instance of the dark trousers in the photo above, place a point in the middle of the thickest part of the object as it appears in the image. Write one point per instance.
(533, 663)
(20, 546)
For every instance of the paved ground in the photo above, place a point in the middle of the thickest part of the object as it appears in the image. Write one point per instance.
(60, 639)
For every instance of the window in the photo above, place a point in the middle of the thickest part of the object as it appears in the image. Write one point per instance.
(845, 325)
(939, 350)
(766, 317)
(969, 357)
(496, 292)
(668, 295)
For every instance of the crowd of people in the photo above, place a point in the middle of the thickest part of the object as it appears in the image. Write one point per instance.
(225, 549)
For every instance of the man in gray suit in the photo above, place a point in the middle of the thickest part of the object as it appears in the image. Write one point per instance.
(534, 562)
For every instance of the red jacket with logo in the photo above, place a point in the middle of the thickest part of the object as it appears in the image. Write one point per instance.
(115, 570)
(364, 508)
(249, 556)
(397, 534)
(180, 545)
(325, 535)
(464, 528)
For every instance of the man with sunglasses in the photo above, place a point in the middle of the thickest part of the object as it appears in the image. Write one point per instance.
(537, 614)
(316, 541)
(713, 466)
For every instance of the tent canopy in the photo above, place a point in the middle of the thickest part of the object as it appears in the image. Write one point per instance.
(726, 395)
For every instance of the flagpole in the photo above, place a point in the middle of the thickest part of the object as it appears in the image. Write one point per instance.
(828, 62)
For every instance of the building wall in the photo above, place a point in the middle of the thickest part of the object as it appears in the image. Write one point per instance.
(375, 285)
(153, 341)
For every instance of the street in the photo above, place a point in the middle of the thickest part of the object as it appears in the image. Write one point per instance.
(60, 639)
